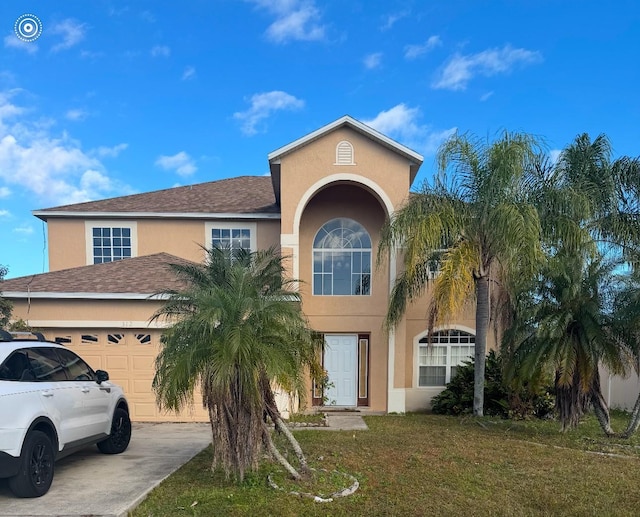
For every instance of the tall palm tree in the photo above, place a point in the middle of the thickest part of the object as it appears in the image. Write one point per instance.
(475, 221)
(236, 328)
(588, 205)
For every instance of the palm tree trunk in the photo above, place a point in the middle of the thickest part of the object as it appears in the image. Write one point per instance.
(600, 406)
(271, 447)
(482, 326)
(571, 402)
(634, 421)
(274, 413)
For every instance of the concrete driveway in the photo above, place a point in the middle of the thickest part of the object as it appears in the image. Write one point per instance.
(91, 483)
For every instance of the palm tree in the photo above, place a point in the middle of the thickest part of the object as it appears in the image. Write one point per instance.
(237, 328)
(477, 223)
(588, 205)
(567, 328)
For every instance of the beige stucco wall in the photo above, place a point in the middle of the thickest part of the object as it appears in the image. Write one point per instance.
(314, 162)
(66, 243)
(182, 238)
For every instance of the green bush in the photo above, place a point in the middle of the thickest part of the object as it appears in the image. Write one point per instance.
(499, 400)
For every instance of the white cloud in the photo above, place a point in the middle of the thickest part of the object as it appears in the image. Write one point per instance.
(72, 33)
(462, 68)
(4, 192)
(12, 41)
(24, 229)
(4, 213)
(486, 96)
(372, 61)
(295, 20)
(401, 123)
(76, 114)
(415, 51)
(52, 168)
(189, 73)
(180, 162)
(263, 105)
(110, 152)
(160, 51)
(391, 19)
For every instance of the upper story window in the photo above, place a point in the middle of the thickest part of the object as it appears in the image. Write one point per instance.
(342, 259)
(344, 153)
(439, 358)
(233, 236)
(109, 240)
(111, 243)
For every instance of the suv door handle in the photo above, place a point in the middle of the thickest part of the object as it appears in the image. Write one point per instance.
(47, 393)
(85, 390)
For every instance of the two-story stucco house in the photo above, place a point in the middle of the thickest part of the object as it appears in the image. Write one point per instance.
(324, 204)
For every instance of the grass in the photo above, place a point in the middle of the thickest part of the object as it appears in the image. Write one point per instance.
(431, 465)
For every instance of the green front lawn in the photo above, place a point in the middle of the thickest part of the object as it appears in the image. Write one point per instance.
(431, 465)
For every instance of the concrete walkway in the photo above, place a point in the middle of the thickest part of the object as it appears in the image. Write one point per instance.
(344, 422)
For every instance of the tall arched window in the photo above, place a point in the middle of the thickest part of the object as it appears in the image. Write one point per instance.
(342, 259)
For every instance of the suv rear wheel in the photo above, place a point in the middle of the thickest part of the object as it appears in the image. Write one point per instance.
(120, 435)
(36, 469)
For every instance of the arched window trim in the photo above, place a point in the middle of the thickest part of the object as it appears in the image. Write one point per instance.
(341, 259)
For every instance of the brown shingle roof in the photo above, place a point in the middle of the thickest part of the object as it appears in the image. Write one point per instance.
(149, 274)
(241, 195)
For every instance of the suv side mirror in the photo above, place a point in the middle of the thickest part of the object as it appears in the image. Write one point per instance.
(101, 376)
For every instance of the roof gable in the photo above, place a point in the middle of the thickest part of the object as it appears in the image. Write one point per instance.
(414, 159)
(358, 126)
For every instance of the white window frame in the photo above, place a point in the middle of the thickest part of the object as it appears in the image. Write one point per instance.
(342, 250)
(109, 223)
(417, 357)
(226, 225)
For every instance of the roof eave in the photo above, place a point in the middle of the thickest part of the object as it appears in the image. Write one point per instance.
(45, 214)
(54, 295)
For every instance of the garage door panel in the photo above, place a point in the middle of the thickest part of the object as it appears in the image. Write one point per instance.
(118, 362)
(142, 363)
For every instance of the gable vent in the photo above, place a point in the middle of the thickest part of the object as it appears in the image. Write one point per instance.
(344, 153)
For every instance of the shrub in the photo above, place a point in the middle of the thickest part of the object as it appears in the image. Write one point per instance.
(499, 400)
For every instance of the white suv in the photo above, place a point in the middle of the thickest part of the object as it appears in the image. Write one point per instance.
(51, 404)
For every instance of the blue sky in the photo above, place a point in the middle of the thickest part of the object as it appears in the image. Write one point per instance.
(115, 98)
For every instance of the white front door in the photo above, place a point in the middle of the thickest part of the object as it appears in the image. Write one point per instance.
(340, 353)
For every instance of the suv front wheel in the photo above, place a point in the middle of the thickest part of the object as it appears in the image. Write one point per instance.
(120, 435)
(36, 467)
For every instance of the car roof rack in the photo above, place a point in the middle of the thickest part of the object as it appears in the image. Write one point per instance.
(11, 336)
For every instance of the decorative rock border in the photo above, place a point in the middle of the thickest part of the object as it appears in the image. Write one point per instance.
(321, 423)
(321, 499)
